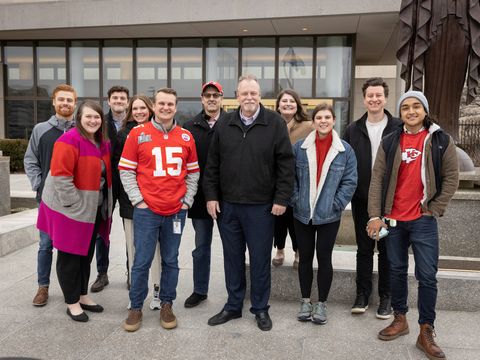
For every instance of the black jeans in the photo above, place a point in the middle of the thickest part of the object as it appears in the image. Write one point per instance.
(365, 252)
(325, 240)
(284, 224)
(73, 271)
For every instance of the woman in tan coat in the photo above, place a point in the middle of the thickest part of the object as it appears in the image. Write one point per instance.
(289, 105)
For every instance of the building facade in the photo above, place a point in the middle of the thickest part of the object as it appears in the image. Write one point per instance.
(314, 47)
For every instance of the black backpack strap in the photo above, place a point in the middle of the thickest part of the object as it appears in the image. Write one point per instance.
(440, 141)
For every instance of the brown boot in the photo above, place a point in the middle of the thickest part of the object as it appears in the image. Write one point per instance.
(41, 297)
(133, 320)
(167, 318)
(100, 282)
(398, 327)
(426, 343)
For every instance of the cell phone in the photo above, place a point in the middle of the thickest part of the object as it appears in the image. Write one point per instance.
(382, 233)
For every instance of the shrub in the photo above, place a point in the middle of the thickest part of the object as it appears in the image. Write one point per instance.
(15, 148)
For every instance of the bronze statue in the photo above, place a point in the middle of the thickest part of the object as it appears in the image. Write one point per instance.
(439, 42)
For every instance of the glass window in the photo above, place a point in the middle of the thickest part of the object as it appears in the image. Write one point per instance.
(334, 66)
(258, 58)
(342, 114)
(19, 118)
(295, 64)
(51, 66)
(45, 110)
(186, 110)
(187, 67)
(84, 68)
(222, 64)
(117, 65)
(19, 60)
(151, 66)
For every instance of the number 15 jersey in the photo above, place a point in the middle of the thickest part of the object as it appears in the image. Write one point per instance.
(161, 162)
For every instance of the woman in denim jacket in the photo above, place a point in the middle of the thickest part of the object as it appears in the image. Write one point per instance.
(325, 180)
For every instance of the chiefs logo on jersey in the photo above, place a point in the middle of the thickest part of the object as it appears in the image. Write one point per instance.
(410, 154)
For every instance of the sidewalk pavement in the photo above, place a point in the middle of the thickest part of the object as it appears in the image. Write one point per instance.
(48, 333)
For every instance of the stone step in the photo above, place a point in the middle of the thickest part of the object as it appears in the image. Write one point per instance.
(457, 290)
(17, 231)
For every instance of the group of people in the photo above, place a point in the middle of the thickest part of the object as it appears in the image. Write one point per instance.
(259, 174)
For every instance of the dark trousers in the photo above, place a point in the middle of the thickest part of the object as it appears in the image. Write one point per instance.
(422, 235)
(365, 253)
(243, 226)
(73, 271)
(284, 225)
(325, 240)
(103, 251)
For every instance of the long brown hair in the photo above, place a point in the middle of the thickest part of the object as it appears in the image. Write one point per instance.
(300, 115)
(101, 135)
(129, 117)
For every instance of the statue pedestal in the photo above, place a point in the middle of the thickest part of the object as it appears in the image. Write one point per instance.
(5, 185)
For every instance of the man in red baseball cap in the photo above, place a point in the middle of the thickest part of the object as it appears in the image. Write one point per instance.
(202, 127)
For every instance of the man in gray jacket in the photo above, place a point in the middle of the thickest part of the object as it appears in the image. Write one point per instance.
(37, 165)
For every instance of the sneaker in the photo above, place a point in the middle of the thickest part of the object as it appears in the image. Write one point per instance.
(167, 317)
(129, 306)
(360, 305)
(100, 282)
(319, 313)
(296, 260)
(133, 320)
(155, 303)
(279, 258)
(194, 299)
(305, 313)
(41, 297)
(384, 311)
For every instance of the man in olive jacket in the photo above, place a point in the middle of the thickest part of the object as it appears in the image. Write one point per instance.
(414, 177)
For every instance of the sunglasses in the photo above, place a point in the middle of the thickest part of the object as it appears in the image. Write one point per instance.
(211, 95)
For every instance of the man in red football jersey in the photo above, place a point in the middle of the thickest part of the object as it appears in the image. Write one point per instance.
(159, 172)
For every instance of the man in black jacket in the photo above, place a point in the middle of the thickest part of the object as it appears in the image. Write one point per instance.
(118, 103)
(248, 178)
(364, 135)
(202, 128)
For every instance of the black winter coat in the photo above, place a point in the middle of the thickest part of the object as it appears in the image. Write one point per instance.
(356, 134)
(112, 135)
(250, 165)
(126, 207)
(203, 134)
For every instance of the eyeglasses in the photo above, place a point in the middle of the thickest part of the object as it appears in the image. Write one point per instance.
(211, 95)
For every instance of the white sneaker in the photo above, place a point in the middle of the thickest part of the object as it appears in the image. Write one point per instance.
(155, 303)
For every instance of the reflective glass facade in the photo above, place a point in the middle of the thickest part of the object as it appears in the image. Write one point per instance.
(317, 67)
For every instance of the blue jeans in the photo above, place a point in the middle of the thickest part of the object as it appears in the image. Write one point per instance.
(102, 252)
(243, 226)
(148, 228)
(422, 234)
(44, 259)
(202, 254)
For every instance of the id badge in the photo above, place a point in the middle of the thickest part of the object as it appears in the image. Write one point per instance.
(177, 226)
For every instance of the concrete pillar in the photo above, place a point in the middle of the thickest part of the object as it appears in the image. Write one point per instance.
(5, 188)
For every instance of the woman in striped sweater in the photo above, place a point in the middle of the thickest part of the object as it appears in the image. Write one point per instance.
(77, 204)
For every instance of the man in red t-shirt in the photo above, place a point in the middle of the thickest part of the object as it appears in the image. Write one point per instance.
(414, 177)
(159, 172)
